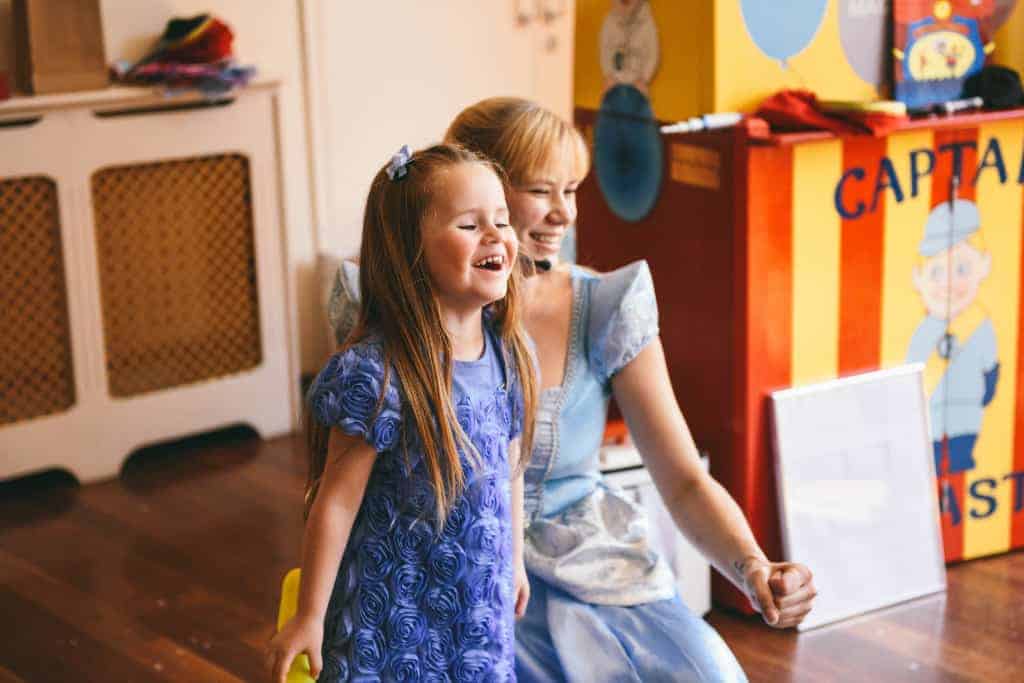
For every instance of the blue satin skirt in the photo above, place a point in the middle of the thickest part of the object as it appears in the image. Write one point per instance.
(563, 639)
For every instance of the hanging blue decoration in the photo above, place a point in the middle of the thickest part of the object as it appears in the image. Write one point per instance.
(628, 154)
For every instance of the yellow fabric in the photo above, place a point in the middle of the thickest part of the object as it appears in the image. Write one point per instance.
(962, 327)
(299, 672)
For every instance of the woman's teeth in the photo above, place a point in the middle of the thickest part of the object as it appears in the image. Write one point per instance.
(490, 263)
(545, 239)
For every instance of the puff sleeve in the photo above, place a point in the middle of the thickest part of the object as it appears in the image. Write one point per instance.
(343, 305)
(350, 394)
(623, 318)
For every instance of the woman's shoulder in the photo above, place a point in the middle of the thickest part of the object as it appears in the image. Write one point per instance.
(628, 285)
(609, 279)
(623, 316)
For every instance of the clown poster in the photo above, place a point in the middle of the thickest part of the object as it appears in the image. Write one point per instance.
(938, 44)
(922, 231)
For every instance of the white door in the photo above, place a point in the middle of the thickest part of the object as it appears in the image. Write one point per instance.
(383, 74)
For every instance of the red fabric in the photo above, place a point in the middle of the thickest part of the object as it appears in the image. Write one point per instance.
(211, 45)
(798, 110)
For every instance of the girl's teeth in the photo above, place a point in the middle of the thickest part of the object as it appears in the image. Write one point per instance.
(489, 261)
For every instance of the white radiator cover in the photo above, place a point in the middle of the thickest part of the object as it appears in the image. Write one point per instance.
(72, 141)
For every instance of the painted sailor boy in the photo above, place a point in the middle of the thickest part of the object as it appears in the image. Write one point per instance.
(956, 340)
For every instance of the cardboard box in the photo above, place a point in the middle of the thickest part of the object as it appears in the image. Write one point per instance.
(58, 46)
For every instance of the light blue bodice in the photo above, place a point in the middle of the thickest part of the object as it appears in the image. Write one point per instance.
(584, 537)
(614, 316)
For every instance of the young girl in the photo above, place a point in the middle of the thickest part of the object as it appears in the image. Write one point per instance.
(416, 490)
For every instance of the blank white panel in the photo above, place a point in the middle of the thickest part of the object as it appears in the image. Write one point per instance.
(856, 485)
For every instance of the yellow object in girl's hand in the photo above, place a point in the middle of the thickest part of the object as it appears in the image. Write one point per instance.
(299, 671)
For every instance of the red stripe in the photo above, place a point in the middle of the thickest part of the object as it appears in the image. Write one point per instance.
(953, 534)
(862, 246)
(1017, 515)
(769, 323)
(765, 269)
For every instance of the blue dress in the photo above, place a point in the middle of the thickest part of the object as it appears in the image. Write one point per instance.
(603, 605)
(412, 602)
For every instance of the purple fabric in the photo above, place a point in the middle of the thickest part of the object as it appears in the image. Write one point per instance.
(412, 603)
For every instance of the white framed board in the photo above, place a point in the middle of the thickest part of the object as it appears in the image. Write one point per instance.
(857, 493)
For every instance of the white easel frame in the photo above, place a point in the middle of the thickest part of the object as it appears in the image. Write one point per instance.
(857, 494)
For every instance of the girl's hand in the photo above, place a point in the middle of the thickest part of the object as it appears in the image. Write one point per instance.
(298, 636)
(781, 591)
(522, 589)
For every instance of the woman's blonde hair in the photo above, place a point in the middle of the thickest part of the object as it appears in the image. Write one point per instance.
(399, 305)
(521, 136)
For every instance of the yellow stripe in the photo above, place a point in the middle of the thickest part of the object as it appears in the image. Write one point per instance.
(902, 310)
(744, 75)
(816, 230)
(1000, 207)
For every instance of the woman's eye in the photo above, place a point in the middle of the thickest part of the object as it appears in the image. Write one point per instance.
(539, 191)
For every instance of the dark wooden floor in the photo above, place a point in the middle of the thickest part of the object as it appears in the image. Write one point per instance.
(171, 573)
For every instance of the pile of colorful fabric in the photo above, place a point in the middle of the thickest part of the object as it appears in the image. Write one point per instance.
(192, 54)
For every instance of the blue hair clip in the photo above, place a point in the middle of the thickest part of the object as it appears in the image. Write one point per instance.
(398, 166)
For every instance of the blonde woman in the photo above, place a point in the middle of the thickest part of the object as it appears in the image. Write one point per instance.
(603, 605)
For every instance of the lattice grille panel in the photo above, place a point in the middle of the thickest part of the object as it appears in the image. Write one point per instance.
(36, 374)
(177, 272)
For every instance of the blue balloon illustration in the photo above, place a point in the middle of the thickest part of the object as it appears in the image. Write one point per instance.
(628, 155)
(781, 30)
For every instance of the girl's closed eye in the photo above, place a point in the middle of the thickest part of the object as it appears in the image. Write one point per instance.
(468, 226)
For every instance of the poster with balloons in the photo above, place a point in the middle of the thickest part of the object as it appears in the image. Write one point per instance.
(864, 34)
(782, 30)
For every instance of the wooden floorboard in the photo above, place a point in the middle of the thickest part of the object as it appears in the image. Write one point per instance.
(171, 573)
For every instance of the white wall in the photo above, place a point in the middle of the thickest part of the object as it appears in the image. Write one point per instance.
(390, 73)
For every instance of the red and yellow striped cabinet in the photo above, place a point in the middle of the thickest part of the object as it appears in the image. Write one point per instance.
(786, 260)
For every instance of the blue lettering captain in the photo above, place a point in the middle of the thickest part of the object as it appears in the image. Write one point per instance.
(956, 341)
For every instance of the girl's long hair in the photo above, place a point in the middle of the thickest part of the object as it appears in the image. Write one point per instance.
(398, 304)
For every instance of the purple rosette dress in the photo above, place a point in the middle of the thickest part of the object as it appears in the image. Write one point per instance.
(413, 602)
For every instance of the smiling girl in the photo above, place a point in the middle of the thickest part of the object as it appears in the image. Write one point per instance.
(412, 562)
